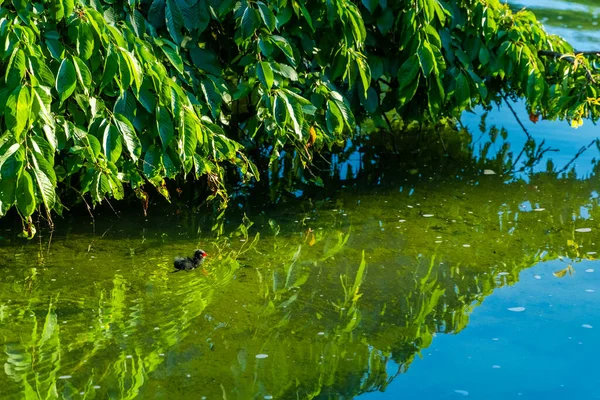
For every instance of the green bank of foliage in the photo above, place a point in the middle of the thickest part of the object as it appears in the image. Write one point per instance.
(103, 97)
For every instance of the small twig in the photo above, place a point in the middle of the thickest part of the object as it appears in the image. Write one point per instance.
(576, 156)
(515, 115)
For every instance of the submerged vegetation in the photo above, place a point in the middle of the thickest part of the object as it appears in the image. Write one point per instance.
(104, 99)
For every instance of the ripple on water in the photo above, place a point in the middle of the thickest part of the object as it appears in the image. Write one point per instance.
(516, 309)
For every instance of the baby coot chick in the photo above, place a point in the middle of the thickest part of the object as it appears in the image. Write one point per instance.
(188, 264)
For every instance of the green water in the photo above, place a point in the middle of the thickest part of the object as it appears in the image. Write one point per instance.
(325, 297)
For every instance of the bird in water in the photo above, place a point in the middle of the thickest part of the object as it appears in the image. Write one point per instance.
(188, 264)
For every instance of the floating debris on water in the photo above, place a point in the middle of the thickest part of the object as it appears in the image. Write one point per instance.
(590, 290)
(537, 277)
(495, 366)
(463, 392)
(589, 270)
(516, 309)
(587, 326)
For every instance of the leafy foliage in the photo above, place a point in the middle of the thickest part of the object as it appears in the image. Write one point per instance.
(99, 96)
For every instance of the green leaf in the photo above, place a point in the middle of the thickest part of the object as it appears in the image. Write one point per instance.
(280, 111)
(426, 59)
(8, 152)
(266, 15)
(45, 179)
(365, 74)
(174, 20)
(16, 69)
(370, 5)
(173, 57)
(285, 47)
(23, 110)
(212, 95)
(152, 162)
(69, 6)
(132, 143)
(111, 143)
(41, 72)
(408, 72)
(264, 73)
(295, 112)
(83, 74)
(462, 92)
(165, 126)
(111, 66)
(66, 81)
(25, 196)
(85, 41)
(333, 118)
(249, 22)
(189, 135)
(206, 60)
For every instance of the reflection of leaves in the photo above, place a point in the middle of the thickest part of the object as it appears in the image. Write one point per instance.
(563, 272)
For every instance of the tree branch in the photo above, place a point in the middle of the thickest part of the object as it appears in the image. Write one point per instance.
(571, 59)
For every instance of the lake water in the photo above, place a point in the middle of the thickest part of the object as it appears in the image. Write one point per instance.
(434, 275)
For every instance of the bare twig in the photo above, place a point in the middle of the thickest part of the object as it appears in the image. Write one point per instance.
(515, 115)
(576, 156)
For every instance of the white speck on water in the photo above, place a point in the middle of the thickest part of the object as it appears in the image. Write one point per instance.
(65, 377)
(488, 172)
(587, 326)
(495, 366)
(495, 339)
(428, 215)
(321, 333)
(537, 277)
(583, 230)
(539, 209)
(590, 290)
(128, 356)
(463, 392)
(589, 270)
(466, 245)
(262, 355)
(516, 309)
